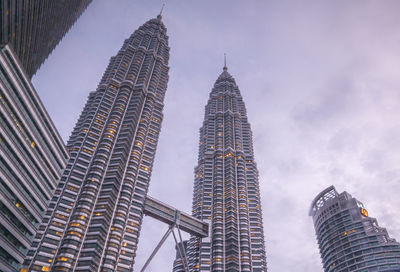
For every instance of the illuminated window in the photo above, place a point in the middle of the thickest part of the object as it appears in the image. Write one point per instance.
(364, 212)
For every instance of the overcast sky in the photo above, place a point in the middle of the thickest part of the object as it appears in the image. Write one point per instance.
(321, 82)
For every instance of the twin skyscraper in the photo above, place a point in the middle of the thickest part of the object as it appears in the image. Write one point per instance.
(94, 218)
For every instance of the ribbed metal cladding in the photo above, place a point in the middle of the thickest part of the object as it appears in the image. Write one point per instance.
(32, 157)
(226, 187)
(34, 28)
(94, 219)
(349, 239)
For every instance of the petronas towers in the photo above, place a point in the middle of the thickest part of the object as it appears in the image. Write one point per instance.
(94, 218)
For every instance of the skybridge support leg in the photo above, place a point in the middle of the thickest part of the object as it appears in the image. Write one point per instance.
(157, 247)
(175, 219)
(182, 255)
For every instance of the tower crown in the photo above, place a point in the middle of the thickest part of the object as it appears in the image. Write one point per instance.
(224, 76)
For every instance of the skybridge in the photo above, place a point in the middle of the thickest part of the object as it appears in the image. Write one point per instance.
(176, 220)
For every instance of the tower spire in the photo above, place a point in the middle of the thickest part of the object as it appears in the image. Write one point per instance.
(162, 8)
(225, 68)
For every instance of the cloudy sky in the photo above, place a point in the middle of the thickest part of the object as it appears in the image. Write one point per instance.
(321, 82)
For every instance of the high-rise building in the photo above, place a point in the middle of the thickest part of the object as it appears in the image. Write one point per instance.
(32, 154)
(179, 262)
(32, 157)
(93, 221)
(226, 187)
(348, 238)
(34, 28)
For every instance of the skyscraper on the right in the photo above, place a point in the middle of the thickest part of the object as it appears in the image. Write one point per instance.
(226, 188)
(350, 240)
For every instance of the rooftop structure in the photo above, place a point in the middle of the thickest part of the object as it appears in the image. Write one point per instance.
(348, 238)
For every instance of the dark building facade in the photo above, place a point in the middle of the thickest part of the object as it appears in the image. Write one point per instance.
(34, 28)
(32, 157)
(32, 153)
(93, 221)
(226, 187)
(348, 238)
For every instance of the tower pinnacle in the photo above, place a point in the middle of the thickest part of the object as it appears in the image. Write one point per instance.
(225, 68)
(162, 8)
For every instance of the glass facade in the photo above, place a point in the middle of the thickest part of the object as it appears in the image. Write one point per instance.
(32, 156)
(34, 28)
(226, 188)
(348, 238)
(94, 219)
